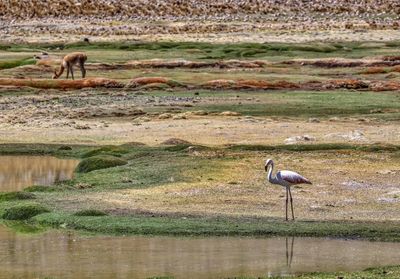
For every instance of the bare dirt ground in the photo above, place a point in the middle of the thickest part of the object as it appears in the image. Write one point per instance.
(121, 116)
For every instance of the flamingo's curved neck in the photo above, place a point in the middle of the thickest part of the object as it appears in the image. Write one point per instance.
(271, 178)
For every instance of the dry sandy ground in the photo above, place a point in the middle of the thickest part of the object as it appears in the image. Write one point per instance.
(347, 185)
(207, 130)
(259, 36)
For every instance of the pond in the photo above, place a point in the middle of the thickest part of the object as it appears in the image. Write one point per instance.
(19, 172)
(68, 255)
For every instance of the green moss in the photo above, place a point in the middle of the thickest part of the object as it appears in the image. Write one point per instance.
(23, 211)
(12, 196)
(40, 188)
(99, 162)
(106, 150)
(24, 227)
(90, 212)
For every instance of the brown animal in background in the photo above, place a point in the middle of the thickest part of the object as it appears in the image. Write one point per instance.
(75, 58)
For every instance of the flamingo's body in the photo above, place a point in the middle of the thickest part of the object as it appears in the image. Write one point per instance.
(286, 179)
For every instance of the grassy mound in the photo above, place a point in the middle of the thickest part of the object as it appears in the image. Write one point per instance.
(12, 196)
(99, 162)
(90, 212)
(23, 211)
(116, 151)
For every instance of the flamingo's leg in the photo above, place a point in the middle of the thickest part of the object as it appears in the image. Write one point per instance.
(286, 202)
(291, 203)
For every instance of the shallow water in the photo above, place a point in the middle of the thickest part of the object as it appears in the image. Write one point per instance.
(66, 255)
(19, 172)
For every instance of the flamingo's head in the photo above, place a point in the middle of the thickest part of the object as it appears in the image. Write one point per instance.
(268, 163)
(55, 76)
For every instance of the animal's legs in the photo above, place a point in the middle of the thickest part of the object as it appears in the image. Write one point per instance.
(286, 203)
(291, 203)
(72, 73)
(83, 70)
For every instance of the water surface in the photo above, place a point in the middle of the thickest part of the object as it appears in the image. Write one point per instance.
(67, 255)
(19, 172)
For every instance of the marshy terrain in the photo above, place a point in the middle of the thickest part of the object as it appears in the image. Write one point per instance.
(172, 137)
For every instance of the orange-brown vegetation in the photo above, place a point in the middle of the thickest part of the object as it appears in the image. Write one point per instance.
(146, 82)
(373, 70)
(61, 84)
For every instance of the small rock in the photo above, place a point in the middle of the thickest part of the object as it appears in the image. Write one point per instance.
(82, 126)
(229, 113)
(179, 116)
(386, 172)
(296, 139)
(165, 116)
(313, 120)
(199, 112)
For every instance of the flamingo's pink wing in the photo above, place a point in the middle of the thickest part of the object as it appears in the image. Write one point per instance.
(293, 177)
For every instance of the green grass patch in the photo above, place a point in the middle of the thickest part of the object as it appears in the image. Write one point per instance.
(24, 227)
(23, 211)
(145, 225)
(40, 188)
(116, 151)
(310, 104)
(149, 167)
(16, 63)
(13, 196)
(203, 50)
(90, 212)
(99, 162)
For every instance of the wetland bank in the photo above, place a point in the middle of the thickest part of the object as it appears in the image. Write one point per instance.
(185, 147)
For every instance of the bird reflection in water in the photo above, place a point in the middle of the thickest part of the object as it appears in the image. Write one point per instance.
(285, 271)
(289, 252)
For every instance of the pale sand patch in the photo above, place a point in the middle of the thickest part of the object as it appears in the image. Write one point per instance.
(202, 130)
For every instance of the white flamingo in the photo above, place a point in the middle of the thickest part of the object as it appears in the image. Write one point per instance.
(286, 179)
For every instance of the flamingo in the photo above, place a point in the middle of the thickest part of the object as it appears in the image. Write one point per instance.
(286, 179)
